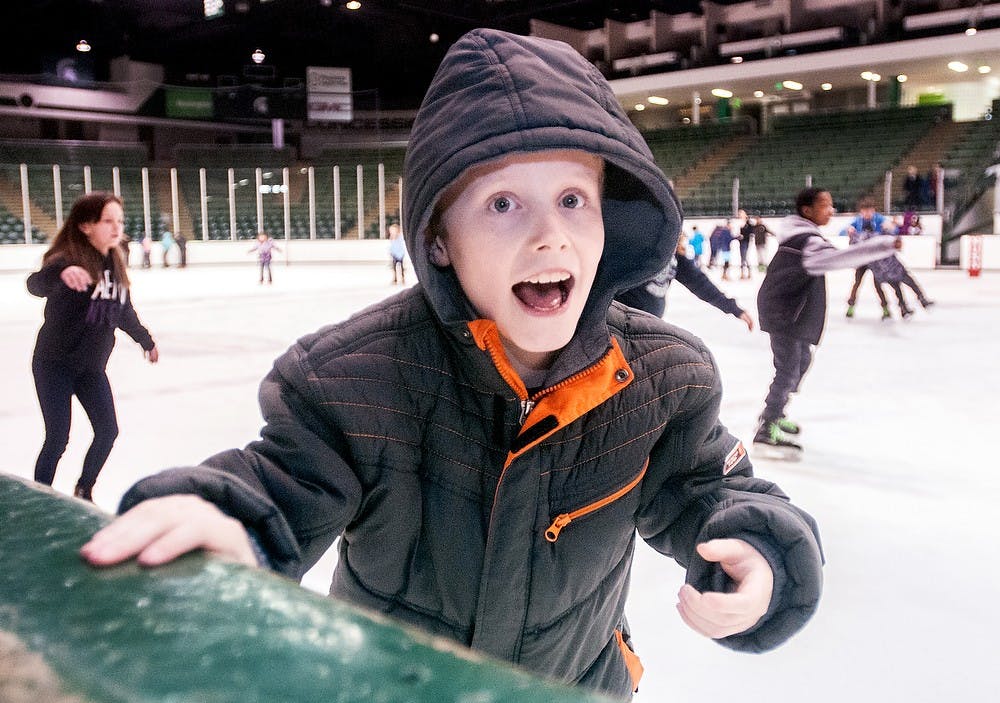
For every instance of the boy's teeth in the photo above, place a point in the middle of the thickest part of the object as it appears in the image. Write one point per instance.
(548, 278)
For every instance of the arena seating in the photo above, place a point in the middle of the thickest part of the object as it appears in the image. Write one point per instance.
(846, 152)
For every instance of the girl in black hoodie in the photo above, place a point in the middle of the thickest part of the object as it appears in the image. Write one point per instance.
(84, 279)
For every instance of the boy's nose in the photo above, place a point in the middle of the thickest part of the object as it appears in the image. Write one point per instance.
(550, 232)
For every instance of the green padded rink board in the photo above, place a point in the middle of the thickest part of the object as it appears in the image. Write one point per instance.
(203, 631)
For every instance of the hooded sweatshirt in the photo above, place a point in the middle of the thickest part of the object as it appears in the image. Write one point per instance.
(792, 298)
(79, 327)
(498, 518)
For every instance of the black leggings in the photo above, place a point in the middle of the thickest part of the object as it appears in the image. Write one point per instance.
(859, 273)
(56, 385)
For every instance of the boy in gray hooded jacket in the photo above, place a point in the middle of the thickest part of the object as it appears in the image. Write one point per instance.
(488, 443)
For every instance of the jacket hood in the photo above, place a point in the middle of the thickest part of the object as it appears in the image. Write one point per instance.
(793, 225)
(497, 93)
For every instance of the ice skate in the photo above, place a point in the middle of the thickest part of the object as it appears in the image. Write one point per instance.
(787, 426)
(886, 315)
(925, 303)
(770, 442)
(905, 312)
(850, 311)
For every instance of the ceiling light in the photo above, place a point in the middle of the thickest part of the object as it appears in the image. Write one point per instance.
(434, 38)
(902, 78)
(971, 31)
(737, 59)
(639, 107)
(758, 93)
(957, 66)
(827, 86)
(791, 85)
(722, 93)
(657, 100)
(984, 69)
(353, 5)
(258, 56)
(83, 46)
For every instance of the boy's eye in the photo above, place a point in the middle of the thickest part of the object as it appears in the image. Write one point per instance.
(572, 200)
(502, 204)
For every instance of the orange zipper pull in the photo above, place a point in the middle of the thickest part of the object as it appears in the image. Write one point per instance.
(552, 534)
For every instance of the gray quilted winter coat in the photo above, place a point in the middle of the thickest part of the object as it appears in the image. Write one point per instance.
(464, 507)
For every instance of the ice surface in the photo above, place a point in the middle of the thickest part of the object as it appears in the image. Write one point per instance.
(900, 467)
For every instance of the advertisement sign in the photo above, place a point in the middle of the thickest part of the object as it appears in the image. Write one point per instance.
(328, 94)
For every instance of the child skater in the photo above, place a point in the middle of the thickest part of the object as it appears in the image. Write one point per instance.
(264, 247)
(791, 303)
(490, 441)
(86, 287)
(397, 253)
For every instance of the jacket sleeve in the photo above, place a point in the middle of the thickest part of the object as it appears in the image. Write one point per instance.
(695, 280)
(42, 283)
(700, 487)
(292, 488)
(819, 256)
(133, 328)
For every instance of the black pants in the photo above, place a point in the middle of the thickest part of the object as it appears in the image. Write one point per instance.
(859, 273)
(792, 358)
(56, 385)
(265, 266)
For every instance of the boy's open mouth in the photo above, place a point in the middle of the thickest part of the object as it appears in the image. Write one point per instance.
(545, 292)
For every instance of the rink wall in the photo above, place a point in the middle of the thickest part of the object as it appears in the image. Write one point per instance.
(918, 252)
(200, 629)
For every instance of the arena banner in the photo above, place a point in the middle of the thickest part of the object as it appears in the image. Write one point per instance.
(328, 94)
(189, 103)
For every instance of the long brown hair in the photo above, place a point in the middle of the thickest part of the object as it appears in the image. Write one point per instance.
(72, 246)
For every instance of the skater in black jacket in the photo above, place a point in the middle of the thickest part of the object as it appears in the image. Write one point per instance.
(84, 281)
(651, 296)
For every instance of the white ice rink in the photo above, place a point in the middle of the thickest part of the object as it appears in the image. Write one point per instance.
(901, 465)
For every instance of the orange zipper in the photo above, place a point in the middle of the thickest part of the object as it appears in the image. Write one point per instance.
(552, 533)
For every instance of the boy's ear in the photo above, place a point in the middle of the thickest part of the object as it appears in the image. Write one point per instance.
(438, 253)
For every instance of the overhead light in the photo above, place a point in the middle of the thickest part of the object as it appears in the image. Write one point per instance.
(657, 100)
(639, 107)
(984, 69)
(902, 78)
(434, 38)
(876, 77)
(873, 77)
(957, 66)
(736, 59)
(826, 86)
(866, 75)
(791, 85)
(758, 93)
(722, 93)
(258, 56)
(83, 46)
(353, 5)
(971, 31)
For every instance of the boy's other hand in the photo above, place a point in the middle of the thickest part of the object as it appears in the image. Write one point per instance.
(159, 530)
(719, 615)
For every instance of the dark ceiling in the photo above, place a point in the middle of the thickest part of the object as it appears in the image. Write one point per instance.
(386, 43)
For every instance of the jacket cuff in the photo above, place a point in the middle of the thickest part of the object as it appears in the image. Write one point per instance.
(787, 538)
(234, 497)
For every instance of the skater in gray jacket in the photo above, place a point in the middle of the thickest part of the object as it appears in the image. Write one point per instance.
(791, 304)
